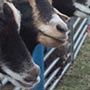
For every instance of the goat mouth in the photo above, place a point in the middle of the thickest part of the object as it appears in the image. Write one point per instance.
(30, 83)
(61, 40)
(57, 39)
(65, 39)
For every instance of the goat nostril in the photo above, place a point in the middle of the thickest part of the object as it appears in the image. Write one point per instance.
(60, 29)
(28, 79)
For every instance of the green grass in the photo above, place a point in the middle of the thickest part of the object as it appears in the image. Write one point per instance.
(78, 76)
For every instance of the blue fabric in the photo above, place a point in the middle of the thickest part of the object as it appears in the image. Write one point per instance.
(38, 56)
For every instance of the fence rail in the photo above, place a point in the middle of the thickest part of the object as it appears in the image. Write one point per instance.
(78, 35)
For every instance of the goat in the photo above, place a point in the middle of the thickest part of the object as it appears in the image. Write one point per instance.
(40, 24)
(73, 7)
(15, 59)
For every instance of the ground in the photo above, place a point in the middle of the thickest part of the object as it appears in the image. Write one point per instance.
(78, 76)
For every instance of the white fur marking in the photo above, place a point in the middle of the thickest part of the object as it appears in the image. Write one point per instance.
(56, 19)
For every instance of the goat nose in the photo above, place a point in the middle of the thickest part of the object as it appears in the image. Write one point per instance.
(34, 74)
(61, 29)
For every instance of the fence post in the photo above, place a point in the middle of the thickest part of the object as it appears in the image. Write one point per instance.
(72, 44)
(38, 56)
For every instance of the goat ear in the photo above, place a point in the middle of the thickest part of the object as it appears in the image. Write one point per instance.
(63, 16)
(7, 10)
